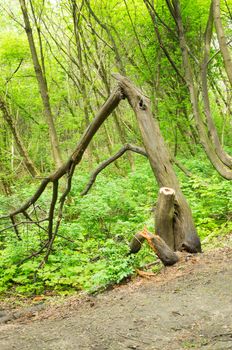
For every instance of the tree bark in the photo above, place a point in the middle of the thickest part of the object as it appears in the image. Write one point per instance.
(162, 250)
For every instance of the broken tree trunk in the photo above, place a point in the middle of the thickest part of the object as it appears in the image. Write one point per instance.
(185, 235)
(162, 250)
(164, 216)
(163, 242)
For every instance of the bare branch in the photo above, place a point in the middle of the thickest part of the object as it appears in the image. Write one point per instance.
(11, 15)
(15, 71)
(33, 254)
(52, 208)
(15, 228)
(110, 160)
(125, 148)
(181, 167)
(22, 223)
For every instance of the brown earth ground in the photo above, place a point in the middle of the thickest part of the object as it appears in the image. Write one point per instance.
(185, 306)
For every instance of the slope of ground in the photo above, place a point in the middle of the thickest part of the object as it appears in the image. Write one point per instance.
(185, 306)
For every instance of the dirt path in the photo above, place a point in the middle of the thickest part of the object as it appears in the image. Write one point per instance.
(186, 306)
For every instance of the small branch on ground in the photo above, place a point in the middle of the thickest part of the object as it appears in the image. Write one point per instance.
(158, 245)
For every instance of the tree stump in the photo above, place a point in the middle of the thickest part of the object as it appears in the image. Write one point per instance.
(164, 214)
(167, 239)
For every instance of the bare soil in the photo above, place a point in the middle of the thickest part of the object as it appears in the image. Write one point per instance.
(185, 306)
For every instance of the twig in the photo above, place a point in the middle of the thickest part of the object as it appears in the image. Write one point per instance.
(15, 227)
(27, 216)
(15, 71)
(147, 266)
(66, 238)
(22, 223)
(33, 254)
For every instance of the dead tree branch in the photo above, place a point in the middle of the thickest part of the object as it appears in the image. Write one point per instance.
(15, 71)
(14, 225)
(162, 250)
(125, 148)
(22, 223)
(76, 156)
(110, 160)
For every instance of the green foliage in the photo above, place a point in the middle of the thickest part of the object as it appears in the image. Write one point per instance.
(91, 251)
(13, 48)
(209, 197)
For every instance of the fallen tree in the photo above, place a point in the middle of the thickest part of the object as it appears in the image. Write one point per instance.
(183, 234)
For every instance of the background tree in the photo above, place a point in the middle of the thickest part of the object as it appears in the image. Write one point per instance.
(41, 77)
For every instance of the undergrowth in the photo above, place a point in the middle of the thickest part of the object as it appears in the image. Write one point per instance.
(91, 250)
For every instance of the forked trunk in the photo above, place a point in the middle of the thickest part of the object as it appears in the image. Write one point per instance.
(185, 235)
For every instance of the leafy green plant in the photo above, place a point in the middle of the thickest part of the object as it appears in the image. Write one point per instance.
(91, 249)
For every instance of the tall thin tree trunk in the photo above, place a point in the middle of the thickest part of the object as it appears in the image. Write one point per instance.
(209, 148)
(43, 88)
(226, 159)
(77, 30)
(222, 39)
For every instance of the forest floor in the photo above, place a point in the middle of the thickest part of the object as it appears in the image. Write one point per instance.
(185, 306)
